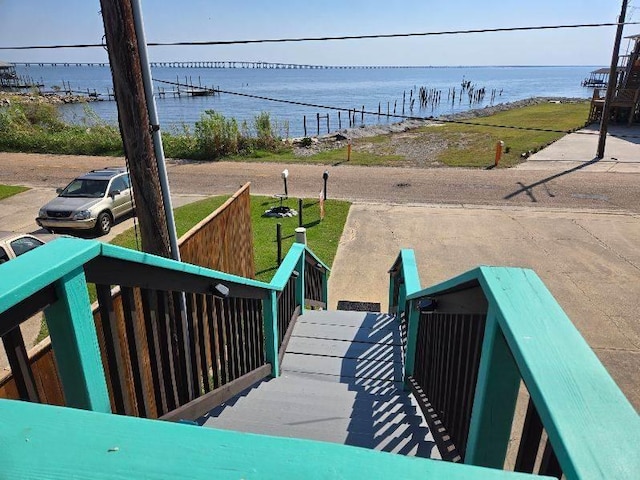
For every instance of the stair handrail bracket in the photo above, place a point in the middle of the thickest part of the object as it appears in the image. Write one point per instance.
(524, 335)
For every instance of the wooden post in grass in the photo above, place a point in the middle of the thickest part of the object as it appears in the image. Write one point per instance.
(279, 242)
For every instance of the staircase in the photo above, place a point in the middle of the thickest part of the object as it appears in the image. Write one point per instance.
(341, 382)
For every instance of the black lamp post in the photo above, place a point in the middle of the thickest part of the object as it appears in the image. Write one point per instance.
(325, 177)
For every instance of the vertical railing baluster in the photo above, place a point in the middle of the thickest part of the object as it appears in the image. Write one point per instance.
(151, 319)
(166, 350)
(20, 365)
(529, 440)
(112, 349)
(133, 343)
(196, 326)
(180, 355)
(248, 334)
(204, 344)
(550, 465)
(259, 306)
(214, 342)
(223, 335)
(244, 339)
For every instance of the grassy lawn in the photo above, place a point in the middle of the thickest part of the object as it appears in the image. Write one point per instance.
(7, 191)
(474, 146)
(322, 236)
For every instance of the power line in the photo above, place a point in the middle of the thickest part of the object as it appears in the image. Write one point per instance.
(322, 39)
(367, 112)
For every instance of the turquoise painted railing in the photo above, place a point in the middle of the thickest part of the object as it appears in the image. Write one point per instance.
(593, 431)
(42, 440)
(229, 335)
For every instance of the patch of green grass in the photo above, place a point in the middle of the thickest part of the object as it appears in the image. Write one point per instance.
(475, 146)
(44, 331)
(7, 191)
(357, 157)
(322, 235)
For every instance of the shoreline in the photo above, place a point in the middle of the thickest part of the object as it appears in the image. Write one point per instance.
(6, 98)
(340, 138)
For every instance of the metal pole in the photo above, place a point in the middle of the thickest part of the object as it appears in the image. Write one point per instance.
(155, 128)
(162, 172)
(613, 80)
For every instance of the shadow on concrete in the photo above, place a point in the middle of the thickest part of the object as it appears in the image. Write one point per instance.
(526, 189)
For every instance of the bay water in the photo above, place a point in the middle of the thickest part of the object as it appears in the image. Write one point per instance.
(355, 88)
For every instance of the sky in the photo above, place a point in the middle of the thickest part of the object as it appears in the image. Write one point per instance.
(45, 22)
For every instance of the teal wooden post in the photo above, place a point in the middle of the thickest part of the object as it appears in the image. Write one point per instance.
(413, 320)
(495, 399)
(402, 298)
(300, 266)
(75, 345)
(270, 315)
(325, 288)
(391, 292)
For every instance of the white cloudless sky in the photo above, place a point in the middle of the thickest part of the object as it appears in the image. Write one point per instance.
(47, 22)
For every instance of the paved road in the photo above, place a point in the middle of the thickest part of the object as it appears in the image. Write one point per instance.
(565, 185)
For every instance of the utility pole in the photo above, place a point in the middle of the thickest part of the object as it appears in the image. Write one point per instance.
(613, 82)
(133, 118)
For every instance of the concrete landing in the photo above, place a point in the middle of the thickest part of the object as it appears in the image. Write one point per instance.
(342, 383)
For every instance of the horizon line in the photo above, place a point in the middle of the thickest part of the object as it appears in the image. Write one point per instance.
(73, 63)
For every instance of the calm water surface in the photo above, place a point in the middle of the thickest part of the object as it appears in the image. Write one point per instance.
(345, 89)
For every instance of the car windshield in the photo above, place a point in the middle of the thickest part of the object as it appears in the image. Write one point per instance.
(25, 244)
(85, 188)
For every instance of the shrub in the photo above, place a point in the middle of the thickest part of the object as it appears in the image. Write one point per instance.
(266, 137)
(216, 136)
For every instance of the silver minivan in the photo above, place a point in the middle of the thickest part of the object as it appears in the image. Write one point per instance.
(94, 200)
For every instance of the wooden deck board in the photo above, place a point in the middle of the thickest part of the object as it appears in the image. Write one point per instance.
(346, 333)
(344, 349)
(341, 382)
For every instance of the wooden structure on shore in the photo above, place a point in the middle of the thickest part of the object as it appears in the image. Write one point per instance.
(625, 103)
(9, 79)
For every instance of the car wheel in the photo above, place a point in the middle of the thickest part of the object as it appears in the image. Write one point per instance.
(103, 223)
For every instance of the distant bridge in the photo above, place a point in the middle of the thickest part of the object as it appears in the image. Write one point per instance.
(224, 64)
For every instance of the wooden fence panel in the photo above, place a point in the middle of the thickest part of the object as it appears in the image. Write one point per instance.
(222, 241)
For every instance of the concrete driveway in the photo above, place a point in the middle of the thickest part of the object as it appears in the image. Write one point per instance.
(588, 259)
